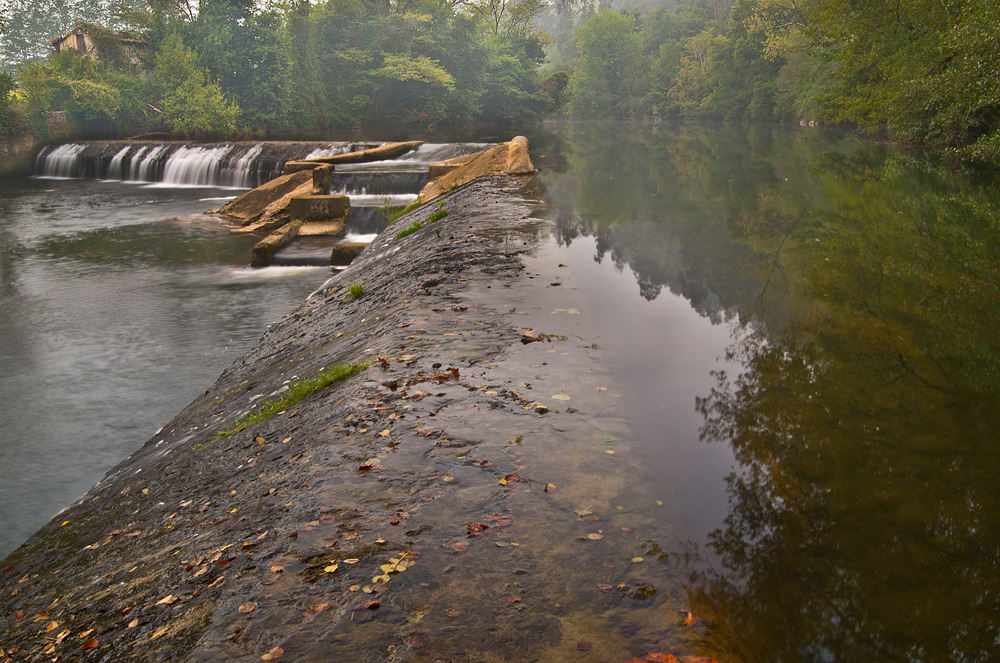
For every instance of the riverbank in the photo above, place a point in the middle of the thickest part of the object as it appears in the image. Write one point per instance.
(280, 540)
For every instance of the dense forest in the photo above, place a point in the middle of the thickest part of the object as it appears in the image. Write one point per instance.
(918, 71)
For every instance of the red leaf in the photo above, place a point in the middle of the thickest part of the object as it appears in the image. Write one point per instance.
(583, 646)
(89, 644)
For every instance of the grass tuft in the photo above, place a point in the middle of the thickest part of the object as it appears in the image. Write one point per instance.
(412, 206)
(438, 214)
(409, 230)
(295, 392)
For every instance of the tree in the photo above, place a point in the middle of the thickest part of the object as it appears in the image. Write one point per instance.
(605, 81)
(190, 102)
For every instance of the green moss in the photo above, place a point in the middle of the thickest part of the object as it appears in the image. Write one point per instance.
(356, 290)
(295, 392)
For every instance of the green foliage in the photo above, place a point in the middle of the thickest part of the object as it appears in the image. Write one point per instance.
(410, 229)
(7, 87)
(356, 290)
(295, 392)
(437, 215)
(605, 83)
(412, 206)
(191, 103)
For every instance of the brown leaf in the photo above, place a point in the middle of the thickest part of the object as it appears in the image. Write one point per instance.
(513, 599)
(416, 641)
(583, 645)
(133, 623)
(696, 659)
(452, 613)
(273, 654)
(247, 607)
(169, 599)
(688, 619)
(318, 608)
(372, 605)
(52, 626)
(89, 644)
(661, 658)
(42, 615)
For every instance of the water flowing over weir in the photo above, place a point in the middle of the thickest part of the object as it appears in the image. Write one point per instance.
(236, 165)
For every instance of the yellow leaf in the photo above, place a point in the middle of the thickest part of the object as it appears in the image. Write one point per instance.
(636, 560)
(331, 568)
(385, 433)
(595, 536)
(166, 600)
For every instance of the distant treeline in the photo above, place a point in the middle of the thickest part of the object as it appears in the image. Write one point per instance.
(236, 65)
(920, 71)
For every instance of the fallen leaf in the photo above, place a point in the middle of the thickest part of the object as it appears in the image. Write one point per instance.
(259, 439)
(386, 432)
(605, 587)
(550, 488)
(273, 654)
(89, 644)
(583, 646)
(84, 634)
(42, 615)
(416, 641)
(688, 619)
(52, 626)
(133, 623)
(372, 605)
(594, 536)
(583, 512)
(601, 388)
(332, 568)
(167, 600)
(354, 560)
(247, 607)
(661, 658)
(513, 599)
(452, 613)
(636, 560)
(320, 607)
(560, 397)
(159, 632)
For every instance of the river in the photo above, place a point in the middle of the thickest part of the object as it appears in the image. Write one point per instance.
(790, 348)
(118, 305)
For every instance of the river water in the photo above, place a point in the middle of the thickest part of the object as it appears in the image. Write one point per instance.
(112, 319)
(795, 363)
(820, 313)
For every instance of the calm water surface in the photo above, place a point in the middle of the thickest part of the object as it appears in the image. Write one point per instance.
(807, 328)
(112, 318)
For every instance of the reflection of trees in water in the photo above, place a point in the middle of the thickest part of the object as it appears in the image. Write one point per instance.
(865, 515)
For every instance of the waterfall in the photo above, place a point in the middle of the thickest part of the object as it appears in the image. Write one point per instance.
(115, 170)
(63, 162)
(133, 170)
(195, 166)
(238, 173)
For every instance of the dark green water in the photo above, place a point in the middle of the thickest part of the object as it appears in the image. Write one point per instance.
(857, 388)
(112, 319)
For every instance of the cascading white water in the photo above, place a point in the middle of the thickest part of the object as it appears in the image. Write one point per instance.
(115, 170)
(195, 166)
(237, 174)
(148, 164)
(62, 162)
(331, 150)
(133, 169)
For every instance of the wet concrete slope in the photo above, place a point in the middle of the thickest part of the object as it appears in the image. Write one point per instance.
(427, 508)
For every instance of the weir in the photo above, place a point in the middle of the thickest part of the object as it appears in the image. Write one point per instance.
(237, 165)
